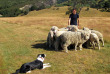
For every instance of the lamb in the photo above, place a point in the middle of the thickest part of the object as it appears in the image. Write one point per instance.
(77, 38)
(94, 38)
(100, 36)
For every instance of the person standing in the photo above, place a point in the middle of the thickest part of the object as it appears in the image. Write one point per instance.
(74, 18)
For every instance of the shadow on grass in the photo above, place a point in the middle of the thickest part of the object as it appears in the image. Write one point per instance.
(42, 44)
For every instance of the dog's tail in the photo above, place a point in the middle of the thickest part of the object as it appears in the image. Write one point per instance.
(17, 71)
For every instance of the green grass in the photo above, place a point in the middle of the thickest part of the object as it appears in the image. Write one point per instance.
(22, 38)
(16, 48)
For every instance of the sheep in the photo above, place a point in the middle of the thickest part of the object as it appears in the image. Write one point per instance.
(100, 36)
(72, 28)
(94, 38)
(77, 38)
(57, 35)
(54, 28)
(63, 29)
(50, 37)
(87, 29)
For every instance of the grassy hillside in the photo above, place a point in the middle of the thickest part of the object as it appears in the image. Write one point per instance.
(60, 12)
(9, 8)
(92, 12)
(22, 38)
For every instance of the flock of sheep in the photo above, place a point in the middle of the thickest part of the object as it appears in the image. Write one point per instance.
(64, 38)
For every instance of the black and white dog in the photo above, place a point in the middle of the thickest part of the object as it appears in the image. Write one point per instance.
(37, 64)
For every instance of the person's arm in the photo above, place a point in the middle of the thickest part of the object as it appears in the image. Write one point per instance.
(78, 22)
(69, 21)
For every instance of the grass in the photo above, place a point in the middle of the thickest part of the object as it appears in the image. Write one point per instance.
(22, 38)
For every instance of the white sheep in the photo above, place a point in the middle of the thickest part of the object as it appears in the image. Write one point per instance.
(77, 38)
(63, 29)
(57, 41)
(100, 36)
(94, 38)
(72, 28)
(50, 37)
(54, 28)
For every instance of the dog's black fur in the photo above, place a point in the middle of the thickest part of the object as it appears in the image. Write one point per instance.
(37, 64)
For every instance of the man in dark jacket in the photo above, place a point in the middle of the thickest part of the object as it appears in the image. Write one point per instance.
(74, 18)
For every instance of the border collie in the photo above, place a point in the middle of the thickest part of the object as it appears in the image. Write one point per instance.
(36, 64)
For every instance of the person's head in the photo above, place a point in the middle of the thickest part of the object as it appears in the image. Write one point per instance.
(74, 11)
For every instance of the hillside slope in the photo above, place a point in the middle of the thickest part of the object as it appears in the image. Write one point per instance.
(60, 12)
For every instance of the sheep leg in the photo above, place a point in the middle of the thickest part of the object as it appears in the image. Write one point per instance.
(56, 44)
(98, 43)
(80, 46)
(49, 43)
(93, 44)
(76, 44)
(102, 41)
(65, 48)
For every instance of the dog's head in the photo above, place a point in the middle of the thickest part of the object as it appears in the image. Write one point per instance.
(41, 57)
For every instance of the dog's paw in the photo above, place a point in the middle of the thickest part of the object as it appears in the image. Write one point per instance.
(48, 63)
(28, 72)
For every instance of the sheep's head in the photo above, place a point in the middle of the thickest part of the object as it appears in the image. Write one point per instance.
(51, 34)
(72, 28)
(54, 28)
(85, 35)
(87, 29)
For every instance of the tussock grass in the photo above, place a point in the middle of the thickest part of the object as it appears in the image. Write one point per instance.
(22, 38)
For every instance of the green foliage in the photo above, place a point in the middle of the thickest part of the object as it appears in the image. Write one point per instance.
(78, 5)
(67, 3)
(11, 8)
(61, 1)
(87, 9)
(33, 8)
(10, 12)
(102, 4)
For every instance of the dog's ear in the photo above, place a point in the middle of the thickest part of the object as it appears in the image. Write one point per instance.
(39, 55)
(43, 55)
